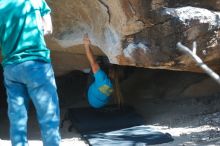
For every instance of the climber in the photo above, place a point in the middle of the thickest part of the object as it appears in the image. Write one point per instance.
(101, 89)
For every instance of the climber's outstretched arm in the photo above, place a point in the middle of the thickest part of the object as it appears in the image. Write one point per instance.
(87, 44)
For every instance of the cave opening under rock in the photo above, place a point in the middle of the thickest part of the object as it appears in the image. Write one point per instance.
(136, 84)
(139, 83)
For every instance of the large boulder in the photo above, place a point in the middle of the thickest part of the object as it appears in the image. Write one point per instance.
(135, 32)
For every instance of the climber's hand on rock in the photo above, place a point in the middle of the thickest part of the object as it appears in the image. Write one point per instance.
(86, 41)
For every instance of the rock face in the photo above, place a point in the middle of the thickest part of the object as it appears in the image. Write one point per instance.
(141, 33)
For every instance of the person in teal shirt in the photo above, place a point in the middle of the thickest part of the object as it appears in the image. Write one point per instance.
(101, 89)
(28, 74)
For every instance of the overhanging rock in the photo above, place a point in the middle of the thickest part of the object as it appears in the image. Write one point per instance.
(135, 32)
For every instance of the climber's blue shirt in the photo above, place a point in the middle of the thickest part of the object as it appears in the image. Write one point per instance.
(21, 31)
(100, 90)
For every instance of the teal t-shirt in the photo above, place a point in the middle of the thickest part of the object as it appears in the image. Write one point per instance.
(100, 90)
(21, 31)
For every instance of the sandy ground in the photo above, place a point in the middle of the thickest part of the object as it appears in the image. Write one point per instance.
(191, 122)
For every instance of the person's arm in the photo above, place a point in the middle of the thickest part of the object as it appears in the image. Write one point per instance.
(94, 65)
(47, 24)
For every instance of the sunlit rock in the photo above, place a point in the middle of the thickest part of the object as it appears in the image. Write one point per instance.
(155, 24)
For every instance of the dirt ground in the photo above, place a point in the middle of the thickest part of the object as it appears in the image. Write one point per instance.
(191, 122)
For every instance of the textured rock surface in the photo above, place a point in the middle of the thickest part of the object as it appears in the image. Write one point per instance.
(155, 25)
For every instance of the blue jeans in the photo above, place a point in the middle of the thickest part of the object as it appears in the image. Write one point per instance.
(32, 80)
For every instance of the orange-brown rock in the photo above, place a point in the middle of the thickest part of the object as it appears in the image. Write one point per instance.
(155, 25)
